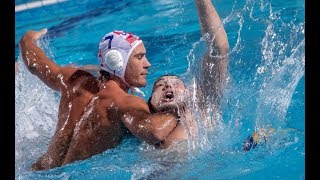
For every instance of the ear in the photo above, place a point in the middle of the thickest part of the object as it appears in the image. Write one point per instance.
(114, 59)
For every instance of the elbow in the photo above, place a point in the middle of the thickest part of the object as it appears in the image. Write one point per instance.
(159, 135)
(155, 137)
(225, 46)
(24, 41)
(31, 66)
(162, 129)
(29, 57)
(220, 49)
(223, 49)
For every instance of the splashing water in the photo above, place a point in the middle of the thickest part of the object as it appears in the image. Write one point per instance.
(259, 94)
(36, 115)
(266, 64)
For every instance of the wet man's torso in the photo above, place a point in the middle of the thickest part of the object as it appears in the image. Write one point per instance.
(90, 115)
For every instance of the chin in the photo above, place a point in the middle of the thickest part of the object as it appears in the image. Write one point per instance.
(143, 83)
(140, 84)
(167, 106)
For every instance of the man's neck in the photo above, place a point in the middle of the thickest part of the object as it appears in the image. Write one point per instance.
(118, 81)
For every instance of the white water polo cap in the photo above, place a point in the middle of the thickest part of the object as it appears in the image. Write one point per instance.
(114, 51)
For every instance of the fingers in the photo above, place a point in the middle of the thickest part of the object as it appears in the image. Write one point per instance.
(39, 34)
(35, 35)
(44, 31)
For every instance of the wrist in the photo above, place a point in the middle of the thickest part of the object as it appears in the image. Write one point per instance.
(26, 38)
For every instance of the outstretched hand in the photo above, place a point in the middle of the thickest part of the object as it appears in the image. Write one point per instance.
(35, 35)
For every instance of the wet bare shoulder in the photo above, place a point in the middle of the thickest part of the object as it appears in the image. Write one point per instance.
(84, 80)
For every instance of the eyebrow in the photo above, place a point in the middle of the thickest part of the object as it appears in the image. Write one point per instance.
(139, 54)
(163, 79)
(159, 80)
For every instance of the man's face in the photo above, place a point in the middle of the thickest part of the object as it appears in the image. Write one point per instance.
(168, 92)
(137, 67)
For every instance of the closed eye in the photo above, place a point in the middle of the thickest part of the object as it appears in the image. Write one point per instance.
(158, 85)
(140, 55)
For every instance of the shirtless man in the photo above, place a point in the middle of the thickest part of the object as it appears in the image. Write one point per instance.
(170, 92)
(92, 110)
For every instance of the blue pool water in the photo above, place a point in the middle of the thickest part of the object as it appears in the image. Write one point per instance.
(266, 86)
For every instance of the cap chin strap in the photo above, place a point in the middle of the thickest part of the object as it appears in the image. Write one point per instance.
(137, 90)
(134, 89)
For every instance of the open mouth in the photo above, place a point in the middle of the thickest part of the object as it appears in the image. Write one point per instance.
(168, 96)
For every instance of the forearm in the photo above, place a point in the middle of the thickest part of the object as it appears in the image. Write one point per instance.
(150, 128)
(163, 124)
(212, 27)
(177, 134)
(37, 62)
(32, 55)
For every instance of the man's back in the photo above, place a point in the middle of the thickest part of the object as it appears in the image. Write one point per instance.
(88, 120)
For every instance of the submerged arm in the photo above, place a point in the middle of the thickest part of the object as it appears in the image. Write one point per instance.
(215, 62)
(39, 64)
(56, 152)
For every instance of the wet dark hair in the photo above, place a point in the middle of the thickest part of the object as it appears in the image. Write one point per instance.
(152, 110)
(104, 73)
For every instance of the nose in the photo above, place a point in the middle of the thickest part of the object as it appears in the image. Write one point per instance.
(146, 63)
(167, 86)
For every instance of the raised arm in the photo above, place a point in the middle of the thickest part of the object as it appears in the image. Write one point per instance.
(212, 28)
(40, 65)
(215, 62)
(152, 128)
